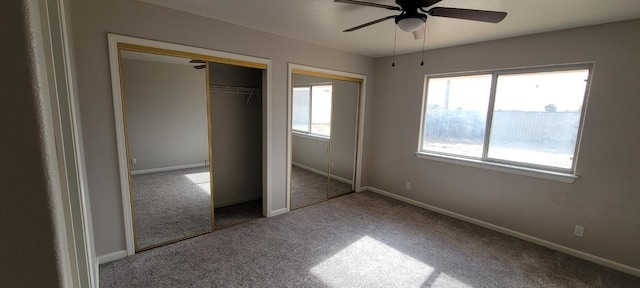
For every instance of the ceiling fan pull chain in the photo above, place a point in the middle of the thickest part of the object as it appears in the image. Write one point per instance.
(423, 40)
(395, 34)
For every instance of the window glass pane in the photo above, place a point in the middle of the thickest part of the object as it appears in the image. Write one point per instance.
(301, 109)
(536, 117)
(321, 110)
(456, 115)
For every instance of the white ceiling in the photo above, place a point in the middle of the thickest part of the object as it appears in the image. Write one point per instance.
(322, 21)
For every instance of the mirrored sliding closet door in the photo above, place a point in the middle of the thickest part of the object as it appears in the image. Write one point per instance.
(324, 124)
(165, 107)
(343, 137)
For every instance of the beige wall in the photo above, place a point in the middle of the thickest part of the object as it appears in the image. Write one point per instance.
(310, 152)
(91, 20)
(30, 204)
(605, 198)
(166, 114)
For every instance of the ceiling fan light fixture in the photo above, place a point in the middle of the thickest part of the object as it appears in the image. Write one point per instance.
(410, 23)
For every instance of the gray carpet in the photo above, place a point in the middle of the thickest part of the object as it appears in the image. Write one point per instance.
(307, 187)
(338, 188)
(237, 214)
(358, 240)
(169, 205)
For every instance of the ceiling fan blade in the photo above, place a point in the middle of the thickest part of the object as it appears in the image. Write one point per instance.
(200, 67)
(362, 3)
(427, 3)
(370, 23)
(419, 33)
(193, 61)
(468, 14)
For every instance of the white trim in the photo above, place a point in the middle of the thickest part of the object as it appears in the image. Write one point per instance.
(519, 235)
(360, 137)
(320, 172)
(289, 160)
(524, 171)
(123, 162)
(67, 129)
(279, 212)
(266, 141)
(360, 134)
(170, 168)
(112, 257)
(121, 141)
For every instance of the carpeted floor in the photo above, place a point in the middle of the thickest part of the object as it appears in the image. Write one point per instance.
(358, 240)
(171, 205)
(338, 188)
(237, 214)
(175, 204)
(309, 188)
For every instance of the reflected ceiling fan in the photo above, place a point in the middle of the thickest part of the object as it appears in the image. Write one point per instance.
(413, 15)
(201, 64)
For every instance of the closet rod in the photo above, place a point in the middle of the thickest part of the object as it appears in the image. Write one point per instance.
(238, 90)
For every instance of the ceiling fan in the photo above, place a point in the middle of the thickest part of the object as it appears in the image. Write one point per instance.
(201, 64)
(413, 15)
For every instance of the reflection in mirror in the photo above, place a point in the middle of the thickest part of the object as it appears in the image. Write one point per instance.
(167, 143)
(343, 137)
(311, 128)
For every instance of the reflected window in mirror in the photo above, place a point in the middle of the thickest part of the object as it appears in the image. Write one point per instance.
(312, 110)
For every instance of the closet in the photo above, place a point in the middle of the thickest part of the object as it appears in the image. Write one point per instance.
(192, 139)
(236, 142)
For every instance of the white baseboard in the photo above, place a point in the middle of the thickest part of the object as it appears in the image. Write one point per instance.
(237, 201)
(278, 212)
(507, 231)
(344, 180)
(112, 256)
(170, 168)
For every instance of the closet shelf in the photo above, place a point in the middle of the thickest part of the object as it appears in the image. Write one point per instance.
(234, 90)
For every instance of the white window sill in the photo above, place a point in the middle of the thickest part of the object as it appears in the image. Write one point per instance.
(311, 136)
(543, 174)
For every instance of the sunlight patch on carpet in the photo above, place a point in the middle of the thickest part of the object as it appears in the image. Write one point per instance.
(202, 180)
(369, 262)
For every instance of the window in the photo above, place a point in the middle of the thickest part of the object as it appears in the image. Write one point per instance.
(516, 118)
(312, 110)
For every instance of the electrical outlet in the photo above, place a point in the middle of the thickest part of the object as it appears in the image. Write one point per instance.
(333, 165)
(407, 186)
(134, 161)
(578, 231)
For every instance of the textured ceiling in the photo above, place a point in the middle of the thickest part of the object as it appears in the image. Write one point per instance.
(322, 21)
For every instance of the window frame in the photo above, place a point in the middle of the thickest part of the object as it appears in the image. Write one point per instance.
(305, 133)
(514, 167)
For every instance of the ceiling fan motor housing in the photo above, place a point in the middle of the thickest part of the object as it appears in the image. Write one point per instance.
(410, 22)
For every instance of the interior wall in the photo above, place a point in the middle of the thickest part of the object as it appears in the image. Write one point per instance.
(92, 20)
(310, 152)
(166, 114)
(30, 204)
(605, 198)
(236, 131)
